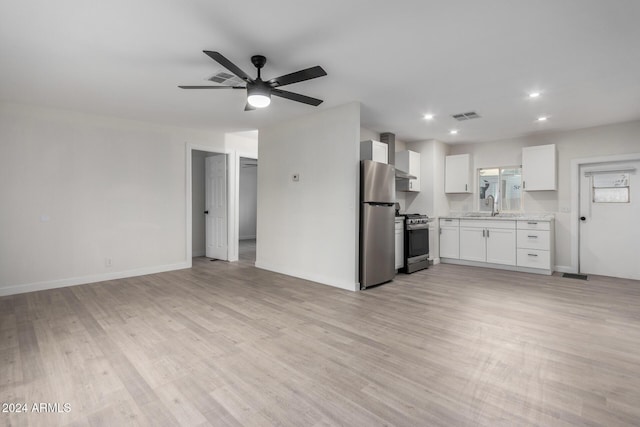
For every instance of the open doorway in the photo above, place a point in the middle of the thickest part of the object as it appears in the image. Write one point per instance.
(247, 209)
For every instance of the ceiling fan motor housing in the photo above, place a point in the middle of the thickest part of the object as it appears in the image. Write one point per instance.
(258, 93)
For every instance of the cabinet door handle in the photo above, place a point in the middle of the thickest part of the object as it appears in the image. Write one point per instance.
(487, 232)
(532, 237)
(484, 233)
(465, 187)
(410, 184)
(532, 254)
(524, 184)
(532, 223)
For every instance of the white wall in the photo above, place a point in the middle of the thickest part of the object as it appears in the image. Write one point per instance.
(622, 138)
(77, 189)
(309, 229)
(248, 202)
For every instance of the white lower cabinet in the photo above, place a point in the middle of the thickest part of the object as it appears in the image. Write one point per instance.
(399, 243)
(500, 246)
(488, 241)
(450, 238)
(473, 246)
(511, 244)
(534, 244)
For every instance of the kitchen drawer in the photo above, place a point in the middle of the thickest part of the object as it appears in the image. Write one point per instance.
(534, 225)
(533, 239)
(488, 223)
(534, 258)
(449, 222)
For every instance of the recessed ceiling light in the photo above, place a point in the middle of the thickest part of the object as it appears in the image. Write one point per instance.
(542, 119)
(453, 132)
(534, 94)
(428, 116)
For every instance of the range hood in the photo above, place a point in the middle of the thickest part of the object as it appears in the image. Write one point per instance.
(400, 174)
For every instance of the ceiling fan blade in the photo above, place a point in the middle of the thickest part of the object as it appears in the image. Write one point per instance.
(217, 56)
(212, 87)
(296, 97)
(249, 107)
(298, 76)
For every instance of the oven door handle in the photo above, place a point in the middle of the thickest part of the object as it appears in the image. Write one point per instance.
(417, 227)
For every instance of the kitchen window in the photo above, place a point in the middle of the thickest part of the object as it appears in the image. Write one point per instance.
(504, 184)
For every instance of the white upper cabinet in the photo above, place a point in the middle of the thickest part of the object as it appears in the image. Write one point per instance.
(374, 150)
(539, 168)
(408, 161)
(457, 174)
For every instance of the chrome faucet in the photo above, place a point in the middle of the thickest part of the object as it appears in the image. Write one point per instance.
(493, 204)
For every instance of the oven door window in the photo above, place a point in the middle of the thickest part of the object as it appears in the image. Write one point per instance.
(418, 242)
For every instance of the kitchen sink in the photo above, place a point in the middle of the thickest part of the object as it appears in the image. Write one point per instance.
(478, 214)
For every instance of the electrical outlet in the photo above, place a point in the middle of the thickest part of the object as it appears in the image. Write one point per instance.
(108, 262)
(295, 177)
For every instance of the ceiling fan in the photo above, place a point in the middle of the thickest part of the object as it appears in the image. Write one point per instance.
(259, 91)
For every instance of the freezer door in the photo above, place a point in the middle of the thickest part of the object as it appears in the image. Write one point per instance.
(377, 244)
(378, 182)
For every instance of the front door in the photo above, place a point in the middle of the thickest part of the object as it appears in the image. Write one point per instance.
(216, 206)
(609, 219)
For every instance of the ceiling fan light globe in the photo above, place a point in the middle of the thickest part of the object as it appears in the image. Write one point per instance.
(259, 100)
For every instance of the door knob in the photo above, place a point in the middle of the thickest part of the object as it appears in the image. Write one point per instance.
(583, 218)
(206, 212)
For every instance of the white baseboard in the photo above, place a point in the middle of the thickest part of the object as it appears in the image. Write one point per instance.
(73, 281)
(349, 286)
(198, 254)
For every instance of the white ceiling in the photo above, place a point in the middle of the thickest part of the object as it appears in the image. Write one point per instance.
(400, 59)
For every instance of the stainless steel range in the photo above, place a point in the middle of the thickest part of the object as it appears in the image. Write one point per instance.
(416, 243)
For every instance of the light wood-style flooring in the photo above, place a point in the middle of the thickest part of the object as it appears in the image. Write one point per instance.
(226, 344)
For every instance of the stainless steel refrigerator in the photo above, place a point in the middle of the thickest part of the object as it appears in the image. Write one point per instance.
(377, 229)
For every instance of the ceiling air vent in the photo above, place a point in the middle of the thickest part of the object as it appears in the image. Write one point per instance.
(227, 79)
(466, 116)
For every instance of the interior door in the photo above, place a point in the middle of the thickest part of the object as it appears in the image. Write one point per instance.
(216, 206)
(609, 220)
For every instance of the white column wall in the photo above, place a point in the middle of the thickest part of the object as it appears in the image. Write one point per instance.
(309, 228)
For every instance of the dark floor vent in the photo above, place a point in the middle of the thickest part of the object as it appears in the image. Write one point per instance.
(575, 276)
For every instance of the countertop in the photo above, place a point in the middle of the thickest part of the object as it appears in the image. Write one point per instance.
(501, 217)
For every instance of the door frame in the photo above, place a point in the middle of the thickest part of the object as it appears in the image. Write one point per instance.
(575, 198)
(232, 228)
